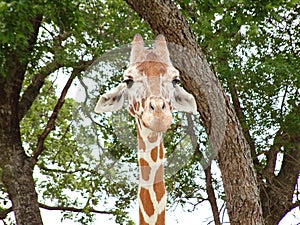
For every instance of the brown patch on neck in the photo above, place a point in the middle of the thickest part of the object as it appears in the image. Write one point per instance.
(142, 220)
(146, 201)
(154, 154)
(161, 218)
(161, 150)
(159, 186)
(141, 143)
(145, 169)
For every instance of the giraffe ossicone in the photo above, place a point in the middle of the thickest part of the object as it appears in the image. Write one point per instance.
(151, 88)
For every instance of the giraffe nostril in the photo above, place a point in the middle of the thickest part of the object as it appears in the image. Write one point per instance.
(163, 106)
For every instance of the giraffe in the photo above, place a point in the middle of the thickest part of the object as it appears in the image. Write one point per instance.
(151, 87)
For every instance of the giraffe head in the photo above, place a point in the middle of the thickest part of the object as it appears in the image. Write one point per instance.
(151, 87)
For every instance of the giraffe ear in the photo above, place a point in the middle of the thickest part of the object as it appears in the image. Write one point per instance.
(161, 49)
(112, 100)
(137, 49)
(183, 101)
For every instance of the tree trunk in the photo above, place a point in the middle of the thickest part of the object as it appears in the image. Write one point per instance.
(17, 168)
(218, 116)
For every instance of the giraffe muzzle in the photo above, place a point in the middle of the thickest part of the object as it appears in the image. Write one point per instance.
(157, 114)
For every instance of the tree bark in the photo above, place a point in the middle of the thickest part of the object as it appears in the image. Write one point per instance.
(216, 111)
(16, 166)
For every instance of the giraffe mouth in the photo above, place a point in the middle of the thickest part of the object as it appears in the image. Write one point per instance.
(158, 124)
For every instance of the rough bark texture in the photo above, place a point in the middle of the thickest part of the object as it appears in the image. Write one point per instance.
(17, 168)
(217, 113)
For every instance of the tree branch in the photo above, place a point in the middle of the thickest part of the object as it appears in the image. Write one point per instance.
(242, 118)
(207, 170)
(43, 167)
(36, 24)
(290, 168)
(268, 170)
(33, 89)
(51, 122)
(73, 209)
(37, 83)
(211, 195)
(5, 212)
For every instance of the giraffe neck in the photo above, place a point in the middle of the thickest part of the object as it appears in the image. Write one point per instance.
(151, 193)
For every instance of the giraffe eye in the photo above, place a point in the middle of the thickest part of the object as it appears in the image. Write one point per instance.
(175, 81)
(151, 107)
(129, 82)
